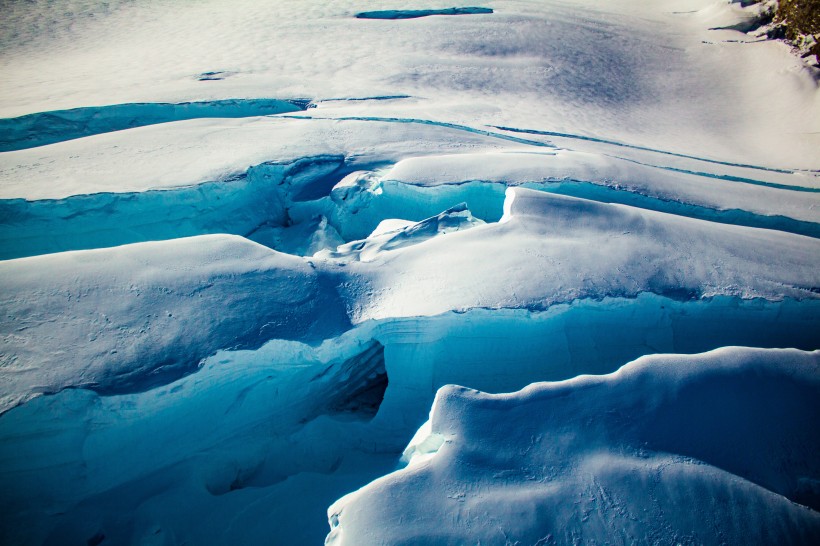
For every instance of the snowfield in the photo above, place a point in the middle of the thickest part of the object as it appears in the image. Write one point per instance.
(245, 246)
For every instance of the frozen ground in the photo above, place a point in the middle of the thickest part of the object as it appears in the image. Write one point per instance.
(243, 245)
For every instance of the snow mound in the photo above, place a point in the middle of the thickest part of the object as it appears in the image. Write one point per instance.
(131, 317)
(148, 313)
(669, 449)
(790, 194)
(550, 249)
(196, 387)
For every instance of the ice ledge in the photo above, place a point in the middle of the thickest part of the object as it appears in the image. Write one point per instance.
(634, 449)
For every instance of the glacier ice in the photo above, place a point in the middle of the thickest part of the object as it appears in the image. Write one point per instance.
(320, 368)
(43, 128)
(148, 310)
(249, 426)
(692, 447)
(238, 265)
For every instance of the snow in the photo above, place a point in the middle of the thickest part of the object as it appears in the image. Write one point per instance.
(583, 67)
(722, 189)
(128, 318)
(206, 150)
(244, 245)
(572, 247)
(668, 447)
(180, 300)
(392, 234)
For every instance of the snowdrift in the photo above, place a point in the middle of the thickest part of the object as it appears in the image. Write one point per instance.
(695, 449)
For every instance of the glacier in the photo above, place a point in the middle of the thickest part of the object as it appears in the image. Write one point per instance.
(246, 247)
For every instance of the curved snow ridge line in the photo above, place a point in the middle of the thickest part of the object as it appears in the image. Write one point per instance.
(541, 253)
(636, 449)
(239, 204)
(448, 125)
(634, 198)
(577, 211)
(393, 14)
(628, 327)
(42, 128)
(647, 149)
(150, 312)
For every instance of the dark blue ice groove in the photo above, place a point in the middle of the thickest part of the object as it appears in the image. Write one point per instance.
(644, 148)
(256, 199)
(455, 126)
(43, 128)
(737, 217)
(362, 99)
(393, 14)
(727, 177)
(237, 205)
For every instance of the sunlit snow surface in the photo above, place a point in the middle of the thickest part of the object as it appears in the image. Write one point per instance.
(243, 245)
(683, 449)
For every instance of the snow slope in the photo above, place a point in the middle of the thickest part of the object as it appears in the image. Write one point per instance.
(710, 448)
(623, 70)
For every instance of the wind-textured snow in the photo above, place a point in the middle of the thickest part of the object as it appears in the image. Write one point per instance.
(701, 449)
(243, 245)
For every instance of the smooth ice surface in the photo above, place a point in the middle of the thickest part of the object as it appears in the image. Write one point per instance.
(688, 448)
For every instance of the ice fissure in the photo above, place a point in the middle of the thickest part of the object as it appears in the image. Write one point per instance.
(269, 417)
(544, 274)
(44, 128)
(316, 371)
(315, 203)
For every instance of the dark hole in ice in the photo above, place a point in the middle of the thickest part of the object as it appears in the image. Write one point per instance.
(360, 383)
(212, 76)
(95, 540)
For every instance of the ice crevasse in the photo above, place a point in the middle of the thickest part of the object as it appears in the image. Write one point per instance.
(237, 272)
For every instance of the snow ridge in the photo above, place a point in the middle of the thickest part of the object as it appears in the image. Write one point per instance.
(678, 428)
